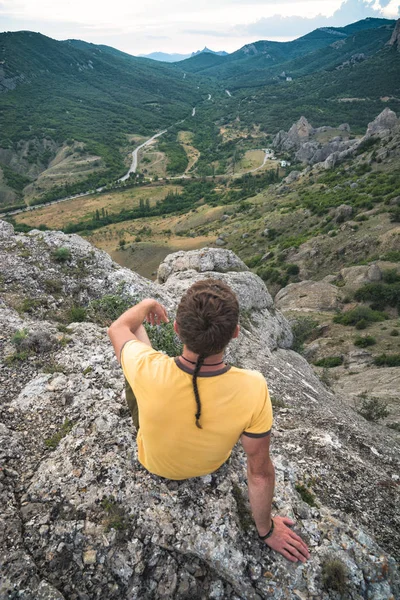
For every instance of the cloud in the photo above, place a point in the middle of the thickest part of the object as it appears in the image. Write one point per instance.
(182, 26)
(293, 26)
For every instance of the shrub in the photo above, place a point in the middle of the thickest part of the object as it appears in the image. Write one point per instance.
(395, 215)
(329, 362)
(373, 409)
(394, 333)
(390, 276)
(76, 314)
(365, 341)
(363, 324)
(387, 360)
(19, 336)
(61, 254)
(395, 426)
(53, 441)
(29, 304)
(391, 256)
(334, 575)
(108, 308)
(116, 516)
(360, 313)
(253, 261)
(292, 269)
(303, 328)
(305, 494)
(381, 294)
(164, 338)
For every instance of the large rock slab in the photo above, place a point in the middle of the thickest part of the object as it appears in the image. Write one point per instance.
(258, 315)
(308, 296)
(202, 261)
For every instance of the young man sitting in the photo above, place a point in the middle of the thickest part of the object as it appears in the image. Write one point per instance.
(194, 408)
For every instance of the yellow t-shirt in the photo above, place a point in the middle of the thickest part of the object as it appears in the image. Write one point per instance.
(233, 401)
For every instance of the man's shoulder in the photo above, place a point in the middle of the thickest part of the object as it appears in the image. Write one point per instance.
(135, 350)
(249, 375)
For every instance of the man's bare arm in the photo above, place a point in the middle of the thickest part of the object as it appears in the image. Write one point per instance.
(261, 481)
(128, 326)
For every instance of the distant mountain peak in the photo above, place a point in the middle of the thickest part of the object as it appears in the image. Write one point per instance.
(207, 50)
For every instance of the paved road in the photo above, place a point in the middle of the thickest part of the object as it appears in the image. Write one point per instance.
(133, 167)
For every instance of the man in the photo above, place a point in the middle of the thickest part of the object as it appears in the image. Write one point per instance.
(194, 408)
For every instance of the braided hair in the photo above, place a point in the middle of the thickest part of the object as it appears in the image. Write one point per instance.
(197, 368)
(207, 316)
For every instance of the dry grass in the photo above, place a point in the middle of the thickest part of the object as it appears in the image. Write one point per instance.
(58, 215)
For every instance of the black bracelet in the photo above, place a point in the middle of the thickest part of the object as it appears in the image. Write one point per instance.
(270, 532)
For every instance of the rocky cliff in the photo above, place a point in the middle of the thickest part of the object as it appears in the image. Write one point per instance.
(302, 140)
(80, 519)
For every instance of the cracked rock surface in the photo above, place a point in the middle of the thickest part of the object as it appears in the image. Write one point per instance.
(80, 519)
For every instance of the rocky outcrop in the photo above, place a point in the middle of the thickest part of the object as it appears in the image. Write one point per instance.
(383, 125)
(352, 278)
(308, 296)
(80, 519)
(395, 39)
(312, 152)
(299, 133)
(200, 261)
(301, 140)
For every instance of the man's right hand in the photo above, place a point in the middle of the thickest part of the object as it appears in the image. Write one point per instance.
(286, 542)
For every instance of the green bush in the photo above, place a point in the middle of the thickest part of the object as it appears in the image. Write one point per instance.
(395, 215)
(329, 362)
(391, 256)
(373, 409)
(303, 329)
(391, 276)
(305, 494)
(387, 360)
(334, 575)
(365, 341)
(53, 441)
(292, 269)
(164, 338)
(381, 294)
(76, 314)
(394, 333)
(61, 254)
(108, 308)
(363, 324)
(253, 261)
(360, 313)
(19, 336)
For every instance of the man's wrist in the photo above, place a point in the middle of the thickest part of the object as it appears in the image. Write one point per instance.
(265, 535)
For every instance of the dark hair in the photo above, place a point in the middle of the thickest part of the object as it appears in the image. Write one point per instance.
(207, 316)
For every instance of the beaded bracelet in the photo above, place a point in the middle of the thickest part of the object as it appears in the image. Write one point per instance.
(270, 532)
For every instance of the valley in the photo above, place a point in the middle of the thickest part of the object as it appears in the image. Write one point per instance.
(296, 172)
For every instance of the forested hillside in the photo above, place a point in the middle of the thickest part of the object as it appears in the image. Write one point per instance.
(57, 93)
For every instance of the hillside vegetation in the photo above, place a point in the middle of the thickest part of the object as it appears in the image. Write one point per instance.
(55, 94)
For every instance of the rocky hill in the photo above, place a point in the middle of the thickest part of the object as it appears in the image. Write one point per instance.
(81, 519)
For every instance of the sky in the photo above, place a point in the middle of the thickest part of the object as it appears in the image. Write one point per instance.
(184, 26)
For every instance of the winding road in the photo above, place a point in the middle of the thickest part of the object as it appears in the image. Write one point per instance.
(133, 167)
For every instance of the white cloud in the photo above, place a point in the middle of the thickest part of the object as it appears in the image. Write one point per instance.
(183, 26)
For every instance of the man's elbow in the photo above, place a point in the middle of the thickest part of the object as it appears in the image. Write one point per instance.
(267, 473)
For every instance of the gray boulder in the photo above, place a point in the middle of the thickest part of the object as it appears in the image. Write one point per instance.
(308, 296)
(201, 261)
(383, 125)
